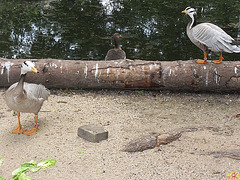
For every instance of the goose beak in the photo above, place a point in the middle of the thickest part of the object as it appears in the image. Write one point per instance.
(34, 70)
(183, 12)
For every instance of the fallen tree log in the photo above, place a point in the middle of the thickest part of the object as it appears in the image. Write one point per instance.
(151, 141)
(127, 74)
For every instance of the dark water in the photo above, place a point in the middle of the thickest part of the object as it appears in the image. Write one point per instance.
(82, 29)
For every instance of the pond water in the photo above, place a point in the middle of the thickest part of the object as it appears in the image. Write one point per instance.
(82, 29)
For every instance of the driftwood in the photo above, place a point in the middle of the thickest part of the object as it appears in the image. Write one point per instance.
(152, 141)
(127, 74)
(155, 140)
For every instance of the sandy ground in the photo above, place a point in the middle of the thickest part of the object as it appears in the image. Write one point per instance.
(126, 115)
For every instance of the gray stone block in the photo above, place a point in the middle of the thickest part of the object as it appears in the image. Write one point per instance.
(92, 133)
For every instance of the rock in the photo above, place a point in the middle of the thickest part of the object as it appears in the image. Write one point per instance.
(92, 133)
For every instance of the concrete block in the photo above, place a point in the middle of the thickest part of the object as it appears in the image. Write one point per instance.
(92, 133)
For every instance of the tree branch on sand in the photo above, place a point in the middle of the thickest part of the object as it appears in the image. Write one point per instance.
(155, 140)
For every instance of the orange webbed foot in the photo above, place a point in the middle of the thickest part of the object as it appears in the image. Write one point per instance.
(217, 61)
(220, 58)
(19, 130)
(30, 132)
(200, 61)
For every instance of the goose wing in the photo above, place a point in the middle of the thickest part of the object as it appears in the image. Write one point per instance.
(12, 87)
(36, 91)
(32, 91)
(30, 100)
(213, 37)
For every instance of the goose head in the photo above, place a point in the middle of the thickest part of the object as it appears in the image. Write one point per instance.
(190, 11)
(28, 66)
(116, 37)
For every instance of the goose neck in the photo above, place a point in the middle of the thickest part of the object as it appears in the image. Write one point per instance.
(116, 42)
(21, 81)
(193, 21)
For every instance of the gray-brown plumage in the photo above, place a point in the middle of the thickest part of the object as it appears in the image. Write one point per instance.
(25, 97)
(209, 37)
(117, 52)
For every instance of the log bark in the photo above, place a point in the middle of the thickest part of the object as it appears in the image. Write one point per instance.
(155, 140)
(152, 141)
(127, 74)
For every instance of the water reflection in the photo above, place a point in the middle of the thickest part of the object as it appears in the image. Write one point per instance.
(82, 29)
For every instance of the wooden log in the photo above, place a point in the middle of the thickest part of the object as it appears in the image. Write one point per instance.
(127, 74)
(152, 141)
(149, 142)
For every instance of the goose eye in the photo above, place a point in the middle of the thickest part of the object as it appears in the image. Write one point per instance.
(25, 63)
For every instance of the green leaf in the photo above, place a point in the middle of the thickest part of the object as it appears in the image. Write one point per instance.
(80, 152)
(140, 92)
(18, 174)
(29, 164)
(25, 167)
(2, 178)
(35, 169)
(1, 161)
(47, 163)
(24, 177)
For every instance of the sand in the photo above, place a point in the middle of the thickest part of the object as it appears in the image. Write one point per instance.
(125, 115)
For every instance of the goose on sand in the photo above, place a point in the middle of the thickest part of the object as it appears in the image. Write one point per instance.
(25, 97)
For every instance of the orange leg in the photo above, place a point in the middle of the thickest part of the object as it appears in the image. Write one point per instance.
(220, 58)
(203, 61)
(30, 132)
(19, 129)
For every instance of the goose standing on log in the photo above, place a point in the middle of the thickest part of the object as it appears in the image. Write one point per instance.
(25, 97)
(209, 37)
(117, 52)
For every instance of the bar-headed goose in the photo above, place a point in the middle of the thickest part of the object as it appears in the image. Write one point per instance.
(26, 97)
(117, 52)
(209, 37)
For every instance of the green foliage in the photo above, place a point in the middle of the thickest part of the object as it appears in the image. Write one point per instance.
(19, 173)
(140, 92)
(25, 167)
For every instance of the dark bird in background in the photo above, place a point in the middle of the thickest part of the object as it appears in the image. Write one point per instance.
(116, 52)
